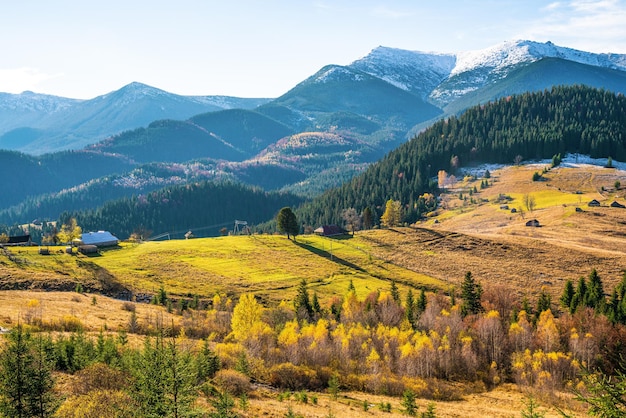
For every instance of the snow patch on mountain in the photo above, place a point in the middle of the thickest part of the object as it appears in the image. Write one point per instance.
(28, 101)
(413, 71)
(334, 73)
(511, 53)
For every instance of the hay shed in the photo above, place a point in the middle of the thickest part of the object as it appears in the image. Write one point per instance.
(594, 203)
(88, 249)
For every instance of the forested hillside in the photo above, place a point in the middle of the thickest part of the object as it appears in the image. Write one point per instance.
(204, 208)
(24, 175)
(529, 126)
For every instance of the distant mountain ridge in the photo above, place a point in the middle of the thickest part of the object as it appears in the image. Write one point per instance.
(39, 123)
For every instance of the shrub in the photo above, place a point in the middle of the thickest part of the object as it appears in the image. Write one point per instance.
(232, 382)
(98, 376)
(536, 176)
(99, 403)
(129, 306)
(289, 376)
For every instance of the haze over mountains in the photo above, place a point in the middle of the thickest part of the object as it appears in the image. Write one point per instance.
(317, 135)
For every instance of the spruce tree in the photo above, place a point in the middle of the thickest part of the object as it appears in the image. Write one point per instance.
(420, 306)
(207, 363)
(579, 295)
(543, 303)
(567, 295)
(409, 308)
(594, 297)
(471, 293)
(25, 377)
(302, 303)
(409, 404)
(395, 293)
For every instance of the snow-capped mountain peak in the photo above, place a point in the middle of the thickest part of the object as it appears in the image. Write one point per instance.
(511, 53)
(414, 71)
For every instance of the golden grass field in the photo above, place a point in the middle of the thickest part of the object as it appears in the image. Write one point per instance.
(493, 243)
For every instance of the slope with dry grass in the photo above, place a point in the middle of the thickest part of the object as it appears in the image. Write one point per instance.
(496, 246)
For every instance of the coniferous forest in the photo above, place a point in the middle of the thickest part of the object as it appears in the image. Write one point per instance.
(532, 126)
(204, 208)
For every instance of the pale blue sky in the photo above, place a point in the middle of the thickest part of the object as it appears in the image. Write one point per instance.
(82, 49)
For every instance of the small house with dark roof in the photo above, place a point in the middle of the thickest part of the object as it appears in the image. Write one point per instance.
(534, 223)
(330, 230)
(19, 240)
(594, 203)
(616, 204)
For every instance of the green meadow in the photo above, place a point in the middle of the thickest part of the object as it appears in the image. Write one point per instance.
(270, 266)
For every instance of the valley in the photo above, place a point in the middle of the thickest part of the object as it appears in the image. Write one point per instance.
(502, 253)
(485, 273)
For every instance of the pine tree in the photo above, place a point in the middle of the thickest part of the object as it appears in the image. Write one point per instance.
(223, 405)
(409, 404)
(420, 306)
(315, 304)
(579, 295)
(207, 363)
(302, 303)
(471, 293)
(594, 297)
(395, 293)
(567, 295)
(409, 308)
(543, 303)
(25, 377)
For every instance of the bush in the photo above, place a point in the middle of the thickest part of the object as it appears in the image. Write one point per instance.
(289, 376)
(99, 403)
(232, 382)
(129, 306)
(536, 176)
(98, 376)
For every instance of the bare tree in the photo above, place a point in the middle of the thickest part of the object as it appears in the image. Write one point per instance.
(529, 202)
(352, 219)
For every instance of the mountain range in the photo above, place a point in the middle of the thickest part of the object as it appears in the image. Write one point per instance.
(317, 135)
(39, 123)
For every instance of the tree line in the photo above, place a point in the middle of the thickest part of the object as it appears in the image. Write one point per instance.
(203, 206)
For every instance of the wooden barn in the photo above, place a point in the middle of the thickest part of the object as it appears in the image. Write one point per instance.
(330, 230)
(533, 223)
(19, 240)
(594, 203)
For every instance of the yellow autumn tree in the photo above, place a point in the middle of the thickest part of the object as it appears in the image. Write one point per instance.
(69, 231)
(393, 213)
(247, 313)
(547, 332)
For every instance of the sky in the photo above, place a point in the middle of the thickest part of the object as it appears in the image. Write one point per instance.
(82, 49)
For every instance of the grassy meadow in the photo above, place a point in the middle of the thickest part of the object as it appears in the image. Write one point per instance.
(270, 266)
